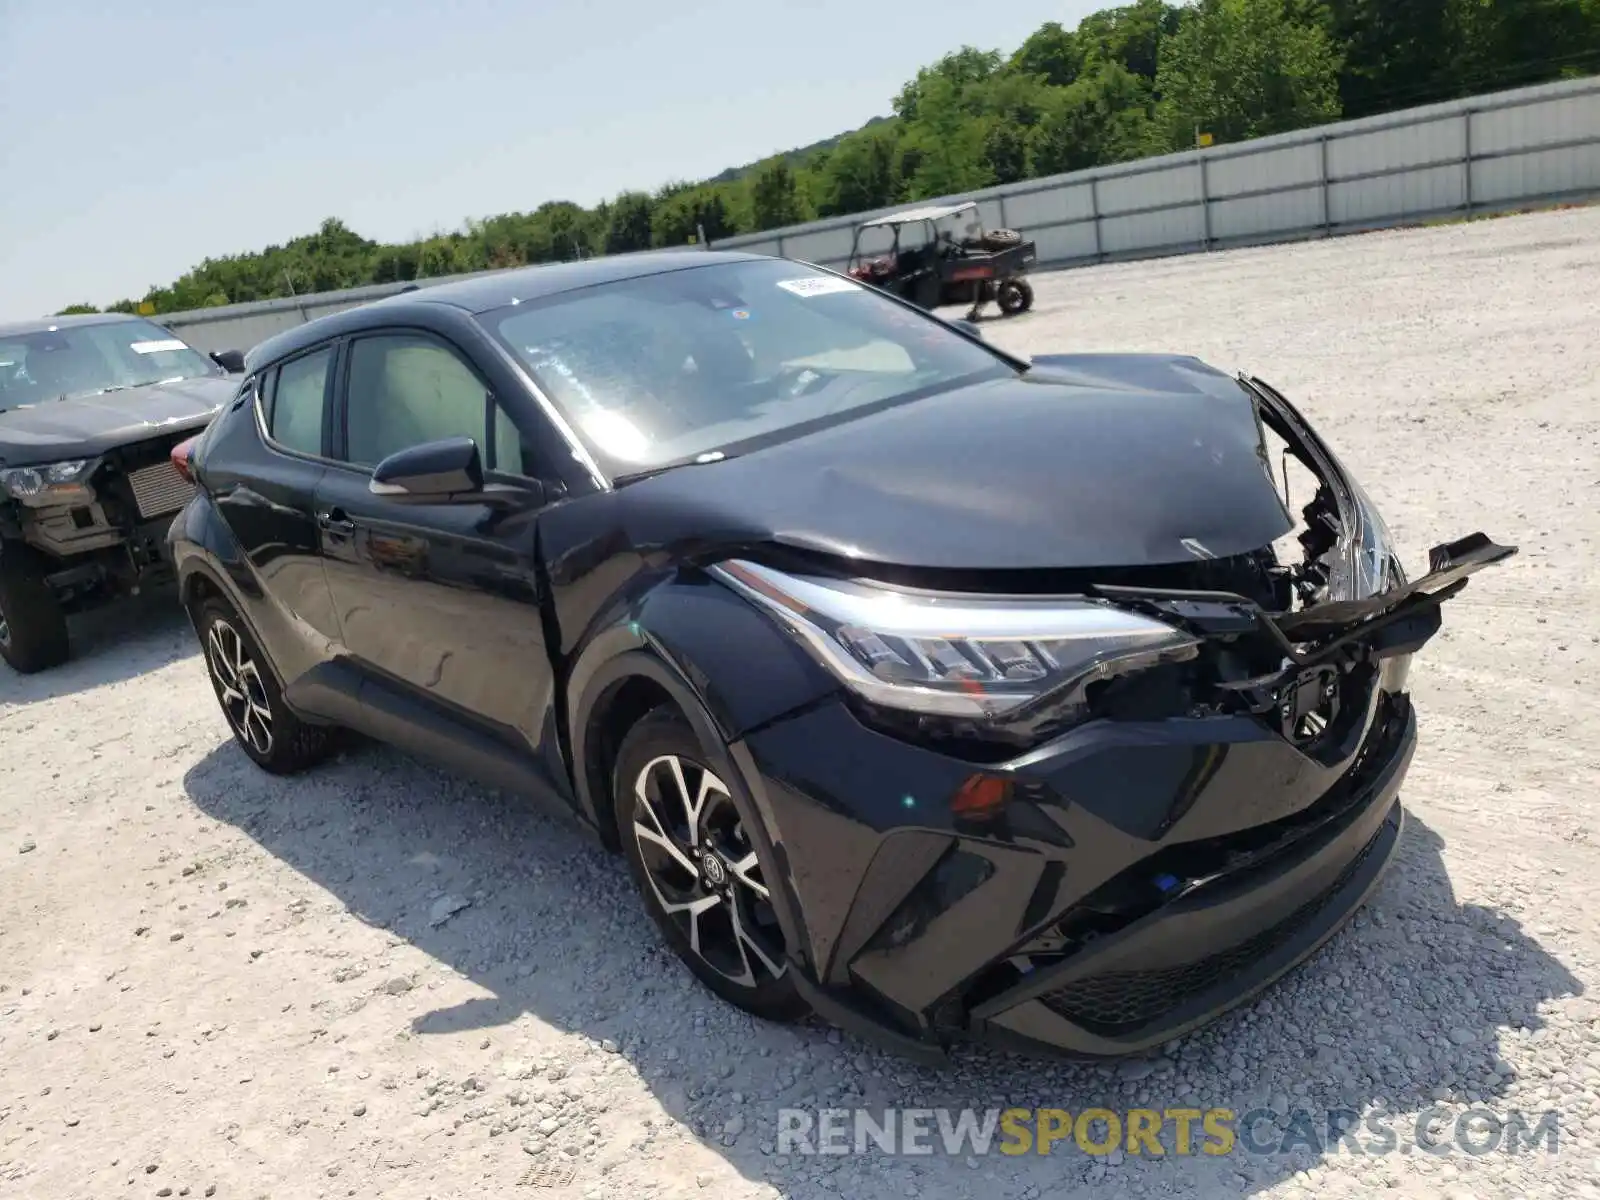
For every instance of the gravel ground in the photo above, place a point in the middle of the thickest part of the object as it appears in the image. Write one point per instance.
(381, 981)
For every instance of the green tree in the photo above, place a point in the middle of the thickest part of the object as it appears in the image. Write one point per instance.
(1102, 118)
(1130, 37)
(1243, 69)
(1052, 53)
(774, 198)
(860, 174)
(628, 224)
(949, 141)
(75, 309)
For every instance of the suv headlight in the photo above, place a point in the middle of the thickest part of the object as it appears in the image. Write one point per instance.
(49, 483)
(958, 656)
(1364, 563)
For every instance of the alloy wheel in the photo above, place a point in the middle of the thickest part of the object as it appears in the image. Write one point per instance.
(703, 869)
(239, 686)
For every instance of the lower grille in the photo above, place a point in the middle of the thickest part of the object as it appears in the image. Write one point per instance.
(1119, 1001)
(159, 489)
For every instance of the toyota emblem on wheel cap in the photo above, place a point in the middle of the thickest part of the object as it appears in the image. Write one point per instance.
(712, 866)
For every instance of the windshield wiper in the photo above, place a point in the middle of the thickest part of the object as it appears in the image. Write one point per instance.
(699, 460)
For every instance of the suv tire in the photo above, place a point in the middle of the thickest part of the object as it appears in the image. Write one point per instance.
(673, 813)
(247, 690)
(33, 629)
(1001, 239)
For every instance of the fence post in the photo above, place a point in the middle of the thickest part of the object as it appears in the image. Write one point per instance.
(1322, 171)
(1094, 211)
(781, 254)
(1205, 200)
(1004, 224)
(1466, 162)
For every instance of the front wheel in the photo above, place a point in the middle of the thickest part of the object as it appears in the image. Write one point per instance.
(1015, 296)
(687, 842)
(33, 629)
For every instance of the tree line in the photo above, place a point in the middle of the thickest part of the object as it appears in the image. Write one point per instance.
(1128, 82)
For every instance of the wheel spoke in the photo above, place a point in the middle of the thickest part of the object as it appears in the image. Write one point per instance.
(658, 838)
(224, 671)
(745, 871)
(656, 832)
(748, 944)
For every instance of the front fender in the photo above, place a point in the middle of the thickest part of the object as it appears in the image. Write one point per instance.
(201, 544)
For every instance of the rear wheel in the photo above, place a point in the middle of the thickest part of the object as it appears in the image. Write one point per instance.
(33, 629)
(686, 839)
(1015, 296)
(274, 738)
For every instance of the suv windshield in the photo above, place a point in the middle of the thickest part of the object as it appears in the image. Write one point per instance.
(55, 363)
(672, 367)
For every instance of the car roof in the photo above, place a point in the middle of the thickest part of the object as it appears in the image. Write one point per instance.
(931, 212)
(498, 289)
(42, 324)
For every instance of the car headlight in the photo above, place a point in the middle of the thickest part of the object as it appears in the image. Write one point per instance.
(957, 656)
(49, 481)
(1364, 564)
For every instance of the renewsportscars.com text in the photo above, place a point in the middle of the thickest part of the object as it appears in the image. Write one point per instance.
(1162, 1132)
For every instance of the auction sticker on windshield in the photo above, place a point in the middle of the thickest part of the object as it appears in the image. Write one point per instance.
(161, 347)
(817, 285)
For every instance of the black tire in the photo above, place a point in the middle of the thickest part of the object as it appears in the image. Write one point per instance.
(1001, 239)
(1014, 296)
(33, 629)
(716, 901)
(248, 693)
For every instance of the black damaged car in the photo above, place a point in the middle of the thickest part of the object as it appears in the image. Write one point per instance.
(944, 694)
(90, 409)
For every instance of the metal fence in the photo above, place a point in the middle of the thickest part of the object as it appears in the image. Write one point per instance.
(1520, 149)
(1524, 148)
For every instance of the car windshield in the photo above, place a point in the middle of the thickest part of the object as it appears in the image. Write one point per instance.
(59, 362)
(693, 364)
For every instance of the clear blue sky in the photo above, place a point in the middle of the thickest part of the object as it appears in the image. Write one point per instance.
(141, 137)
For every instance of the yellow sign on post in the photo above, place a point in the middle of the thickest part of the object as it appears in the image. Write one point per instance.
(147, 308)
(1204, 139)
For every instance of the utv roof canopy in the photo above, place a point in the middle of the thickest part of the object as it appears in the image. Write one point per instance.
(932, 212)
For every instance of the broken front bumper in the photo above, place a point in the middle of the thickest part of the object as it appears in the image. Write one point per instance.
(923, 928)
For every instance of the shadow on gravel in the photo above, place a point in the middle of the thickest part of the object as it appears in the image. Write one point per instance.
(120, 641)
(1405, 1008)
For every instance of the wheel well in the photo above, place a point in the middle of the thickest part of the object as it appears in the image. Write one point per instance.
(198, 590)
(617, 711)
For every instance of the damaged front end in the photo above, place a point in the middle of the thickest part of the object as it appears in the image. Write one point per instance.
(986, 670)
(1096, 811)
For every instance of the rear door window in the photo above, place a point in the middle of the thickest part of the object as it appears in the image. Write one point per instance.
(299, 400)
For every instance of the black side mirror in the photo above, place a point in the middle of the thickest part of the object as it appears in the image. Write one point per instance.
(449, 471)
(231, 361)
(442, 472)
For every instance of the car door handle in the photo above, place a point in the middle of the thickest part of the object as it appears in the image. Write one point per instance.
(335, 521)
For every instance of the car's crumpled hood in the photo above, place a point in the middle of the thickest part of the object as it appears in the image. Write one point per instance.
(86, 426)
(1087, 461)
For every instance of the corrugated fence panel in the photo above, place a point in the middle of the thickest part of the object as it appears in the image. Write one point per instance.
(1260, 216)
(1573, 171)
(1521, 148)
(1568, 119)
(1268, 169)
(1408, 146)
(825, 246)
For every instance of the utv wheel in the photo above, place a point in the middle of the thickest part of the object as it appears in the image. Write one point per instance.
(685, 837)
(1015, 296)
(1001, 239)
(274, 738)
(33, 629)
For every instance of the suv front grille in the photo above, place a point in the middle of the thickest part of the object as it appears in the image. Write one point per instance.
(158, 489)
